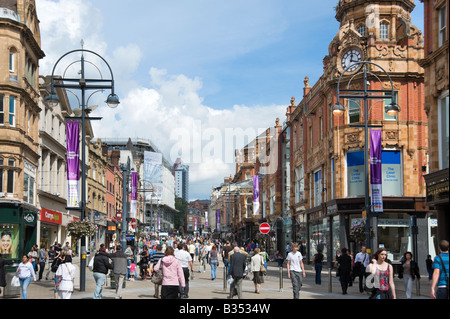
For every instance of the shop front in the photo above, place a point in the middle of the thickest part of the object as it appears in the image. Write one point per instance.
(50, 223)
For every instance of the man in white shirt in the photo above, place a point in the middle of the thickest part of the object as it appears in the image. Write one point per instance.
(362, 259)
(295, 269)
(185, 259)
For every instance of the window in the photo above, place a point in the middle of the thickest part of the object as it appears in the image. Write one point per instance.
(442, 25)
(362, 30)
(443, 130)
(353, 111)
(12, 111)
(387, 102)
(1, 175)
(10, 181)
(2, 111)
(384, 31)
(28, 188)
(272, 200)
(299, 184)
(318, 188)
(11, 61)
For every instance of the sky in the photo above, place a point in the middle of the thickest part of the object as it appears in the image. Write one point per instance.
(198, 78)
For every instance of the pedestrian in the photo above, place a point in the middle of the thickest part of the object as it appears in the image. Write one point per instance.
(132, 268)
(202, 257)
(409, 271)
(143, 263)
(192, 249)
(256, 266)
(237, 268)
(279, 258)
(265, 258)
(185, 259)
(362, 260)
(3, 263)
(172, 274)
(213, 261)
(65, 276)
(345, 269)
(295, 269)
(429, 263)
(102, 265)
(42, 258)
(51, 257)
(439, 283)
(33, 256)
(317, 264)
(60, 257)
(129, 254)
(25, 271)
(119, 260)
(154, 260)
(385, 274)
(225, 251)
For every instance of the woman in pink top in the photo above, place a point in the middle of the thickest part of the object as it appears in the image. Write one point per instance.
(172, 275)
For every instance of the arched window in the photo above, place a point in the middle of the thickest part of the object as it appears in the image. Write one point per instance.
(384, 30)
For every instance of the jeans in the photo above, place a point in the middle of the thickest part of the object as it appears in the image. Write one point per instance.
(128, 268)
(408, 281)
(118, 278)
(296, 279)
(441, 293)
(41, 269)
(213, 268)
(226, 265)
(318, 268)
(99, 280)
(24, 284)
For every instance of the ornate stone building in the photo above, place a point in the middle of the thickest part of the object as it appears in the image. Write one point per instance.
(20, 52)
(436, 66)
(327, 157)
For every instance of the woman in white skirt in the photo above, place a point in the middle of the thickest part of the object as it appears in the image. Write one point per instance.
(65, 275)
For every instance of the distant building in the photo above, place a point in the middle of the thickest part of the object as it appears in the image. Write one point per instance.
(181, 173)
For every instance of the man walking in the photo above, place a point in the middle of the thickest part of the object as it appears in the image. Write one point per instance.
(237, 268)
(439, 283)
(362, 259)
(295, 269)
(185, 260)
(120, 266)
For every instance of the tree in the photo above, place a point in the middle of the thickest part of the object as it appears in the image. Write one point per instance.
(180, 217)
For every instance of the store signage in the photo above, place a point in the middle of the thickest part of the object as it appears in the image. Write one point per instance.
(51, 216)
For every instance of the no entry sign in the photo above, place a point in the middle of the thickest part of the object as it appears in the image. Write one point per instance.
(264, 228)
(133, 223)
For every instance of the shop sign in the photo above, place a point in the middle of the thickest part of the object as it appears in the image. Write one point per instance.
(51, 216)
(29, 217)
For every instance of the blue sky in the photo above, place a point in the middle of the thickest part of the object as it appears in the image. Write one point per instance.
(196, 66)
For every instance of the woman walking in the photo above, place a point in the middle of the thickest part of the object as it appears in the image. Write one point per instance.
(256, 264)
(385, 274)
(65, 276)
(25, 271)
(213, 261)
(101, 266)
(409, 270)
(173, 275)
(143, 264)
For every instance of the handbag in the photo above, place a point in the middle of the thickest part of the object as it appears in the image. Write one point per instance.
(15, 282)
(157, 277)
(263, 269)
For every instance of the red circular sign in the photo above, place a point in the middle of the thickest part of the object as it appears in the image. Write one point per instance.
(264, 228)
(133, 223)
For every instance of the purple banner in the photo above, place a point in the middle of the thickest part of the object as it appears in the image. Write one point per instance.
(375, 171)
(73, 162)
(218, 220)
(255, 195)
(134, 182)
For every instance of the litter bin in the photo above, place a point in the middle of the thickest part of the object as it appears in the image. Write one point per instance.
(11, 291)
(113, 281)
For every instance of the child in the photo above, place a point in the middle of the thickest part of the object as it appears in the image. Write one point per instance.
(132, 270)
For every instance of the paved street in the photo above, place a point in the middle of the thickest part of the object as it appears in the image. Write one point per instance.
(202, 287)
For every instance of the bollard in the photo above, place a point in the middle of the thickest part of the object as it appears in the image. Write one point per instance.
(281, 279)
(329, 281)
(224, 278)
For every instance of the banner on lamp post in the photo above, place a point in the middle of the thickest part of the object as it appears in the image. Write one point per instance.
(218, 220)
(133, 208)
(375, 171)
(73, 162)
(255, 194)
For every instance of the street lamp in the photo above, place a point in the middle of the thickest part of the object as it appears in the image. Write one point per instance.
(366, 94)
(82, 84)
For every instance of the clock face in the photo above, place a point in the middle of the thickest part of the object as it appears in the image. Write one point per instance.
(349, 59)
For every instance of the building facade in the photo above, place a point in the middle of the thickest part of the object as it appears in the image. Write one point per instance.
(436, 105)
(327, 159)
(181, 173)
(20, 52)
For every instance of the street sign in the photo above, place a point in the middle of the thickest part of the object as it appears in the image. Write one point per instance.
(264, 228)
(133, 223)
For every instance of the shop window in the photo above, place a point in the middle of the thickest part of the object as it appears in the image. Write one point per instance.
(9, 240)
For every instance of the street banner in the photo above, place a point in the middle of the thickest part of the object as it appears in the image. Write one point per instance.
(218, 220)
(255, 194)
(153, 173)
(73, 162)
(195, 223)
(134, 182)
(375, 171)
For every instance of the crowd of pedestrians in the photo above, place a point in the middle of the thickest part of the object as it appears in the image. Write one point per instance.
(176, 258)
